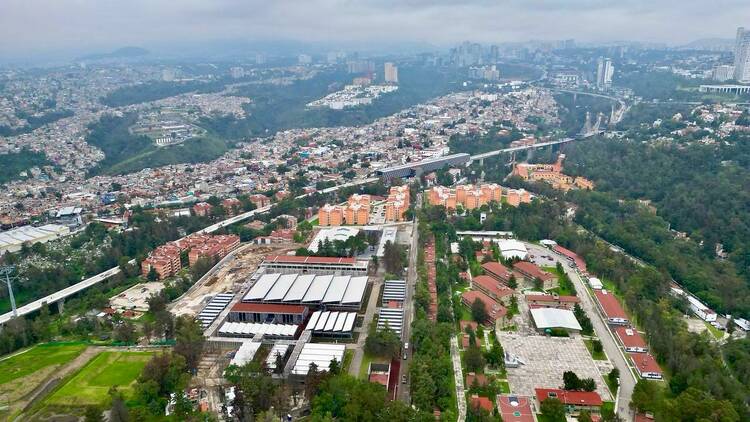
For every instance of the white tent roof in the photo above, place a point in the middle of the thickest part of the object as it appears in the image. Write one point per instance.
(555, 318)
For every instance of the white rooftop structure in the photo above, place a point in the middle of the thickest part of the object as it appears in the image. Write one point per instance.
(555, 318)
(331, 323)
(213, 308)
(252, 329)
(389, 235)
(394, 290)
(320, 354)
(343, 290)
(511, 248)
(277, 349)
(246, 353)
(595, 283)
(393, 318)
(12, 240)
(332, 233)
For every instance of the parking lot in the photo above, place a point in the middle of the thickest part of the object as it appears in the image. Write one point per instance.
(544, 361)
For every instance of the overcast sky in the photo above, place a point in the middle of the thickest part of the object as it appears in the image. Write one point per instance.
(28, 26)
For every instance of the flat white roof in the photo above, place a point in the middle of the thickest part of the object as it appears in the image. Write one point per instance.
(281, 287)
(299, 288)
(355, 290)
(317, 290)
(555, 318)
(261, 287)
(337, 288)
(319, 353)
(332, 233)
(245, 353)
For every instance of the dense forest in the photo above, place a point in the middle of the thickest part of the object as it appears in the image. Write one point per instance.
(277, 108)
(156, 90)
(126, 152)
(11, 165)
(34, 122)
(572, 110)
(700, 189)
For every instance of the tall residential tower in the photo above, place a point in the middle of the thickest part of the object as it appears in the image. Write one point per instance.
(742, 56)
(604, 73)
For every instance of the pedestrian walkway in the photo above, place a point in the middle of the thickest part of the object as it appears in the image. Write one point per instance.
(458, 374)
(359, 352)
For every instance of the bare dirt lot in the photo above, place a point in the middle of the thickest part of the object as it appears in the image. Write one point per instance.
(227, 276)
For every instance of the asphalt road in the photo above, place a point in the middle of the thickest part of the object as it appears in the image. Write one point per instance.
(411, 281)
(611, 347)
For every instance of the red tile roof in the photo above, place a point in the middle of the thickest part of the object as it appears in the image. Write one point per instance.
(551, 298)
(470, 377)
(497, 269)
(494, 310)
(492, 286)
(533, 270)
(483, 402)
(580, 263)
(269, 308)
(610, 304)
(630, 337)
(644, 362)
(578, 398)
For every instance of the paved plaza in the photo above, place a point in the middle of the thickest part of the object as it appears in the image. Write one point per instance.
(544, 361)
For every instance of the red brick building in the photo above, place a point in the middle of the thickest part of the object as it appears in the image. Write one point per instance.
(531, 272)
(203, 209)
(497, 271)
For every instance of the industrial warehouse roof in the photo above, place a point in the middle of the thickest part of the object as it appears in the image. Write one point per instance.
(214, 308)
(291, 259)
(331, 322)
(394, 318)
(394, 290)
(320, 354)
(555, 318)
(253, 329)
(294, 288)
(279, 349)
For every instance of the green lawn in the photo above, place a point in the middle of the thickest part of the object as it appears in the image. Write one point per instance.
(504, 387)
(41, 356)
(718, 334)
(366, 359)
(90, 385)
(597, 356)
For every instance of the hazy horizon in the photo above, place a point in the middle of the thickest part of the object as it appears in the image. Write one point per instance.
(36, 27)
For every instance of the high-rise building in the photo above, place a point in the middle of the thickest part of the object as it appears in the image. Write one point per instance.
(391, 73)
(604, 73)
(723, 73)
(742, 56)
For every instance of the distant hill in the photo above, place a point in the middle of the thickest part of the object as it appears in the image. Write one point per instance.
(120, 53)
(711, 44)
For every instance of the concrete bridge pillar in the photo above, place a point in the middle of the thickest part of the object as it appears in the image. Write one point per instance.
(60, 305)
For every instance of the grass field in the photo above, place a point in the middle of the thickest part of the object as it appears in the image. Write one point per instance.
(90, 385)
(38, 357)
(718, 334)
(596, 356)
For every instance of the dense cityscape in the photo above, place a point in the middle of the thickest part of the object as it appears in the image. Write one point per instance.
(514, 230)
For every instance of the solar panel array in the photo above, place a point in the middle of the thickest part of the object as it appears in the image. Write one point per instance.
(331, 322)
(319, 353)
(394, 318)
(394, 290)
(342, 290)
(252, 329)
(214, 308)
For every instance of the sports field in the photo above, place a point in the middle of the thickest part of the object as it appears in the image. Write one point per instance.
(90, 385)
(24, 363)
